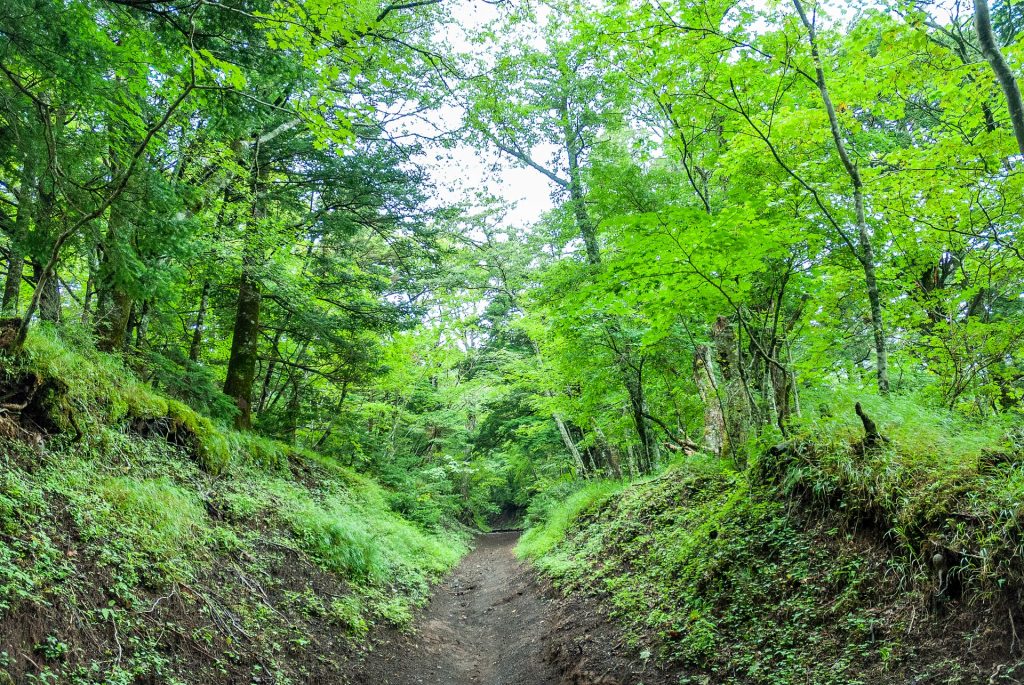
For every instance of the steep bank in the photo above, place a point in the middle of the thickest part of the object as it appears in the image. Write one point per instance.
(140, 542)
(826, 564)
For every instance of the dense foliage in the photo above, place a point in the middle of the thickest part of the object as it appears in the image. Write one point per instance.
(764, 214)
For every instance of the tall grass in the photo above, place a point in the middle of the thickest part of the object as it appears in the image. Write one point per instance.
(543, 537)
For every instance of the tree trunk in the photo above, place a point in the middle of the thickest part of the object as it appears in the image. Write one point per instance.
(244, 338)
(49, 299)
(241, 370)
(16, 257)
(576, 194)
(866, 254)
(114, 305)
(337, 411)
(732, 393)
(142, 326)
(714, 419)
(638, 410)
(268, 377)
(197, 331)
(15, 272)
(781, 387)
(22, 222)
(292, 411)
(90, 288)
(1007, 81)
(570, 444)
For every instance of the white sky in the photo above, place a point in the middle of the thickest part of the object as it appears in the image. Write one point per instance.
(464, 173)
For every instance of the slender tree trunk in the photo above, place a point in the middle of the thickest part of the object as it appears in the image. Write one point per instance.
(1007, 81)
(22, 221)
(90, 288)
(570, 444)
(49, 299)
(268, 377)
(337, 412)
(612, 459)
(114, 303)
(732, 392)
(197, 332)
(292, 410)
(638, 411)
(781, 387)
(576, 194)
(142, 326)
(244, 338)
(866, 255)
(714, 419)
(15, 272)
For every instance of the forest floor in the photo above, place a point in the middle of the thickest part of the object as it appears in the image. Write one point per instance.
(485, 626)
(495, 622)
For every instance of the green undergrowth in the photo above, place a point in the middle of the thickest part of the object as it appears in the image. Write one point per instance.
(823, 562)
(128, 555)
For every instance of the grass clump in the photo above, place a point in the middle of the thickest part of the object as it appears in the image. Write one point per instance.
(541, 538)
(160, 516)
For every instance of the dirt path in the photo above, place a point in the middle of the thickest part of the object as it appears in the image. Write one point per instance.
(485, 626)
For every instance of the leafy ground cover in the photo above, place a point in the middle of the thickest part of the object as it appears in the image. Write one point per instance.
(143, 542)
(823, 562)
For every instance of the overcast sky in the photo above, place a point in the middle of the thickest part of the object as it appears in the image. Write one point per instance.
(465, 173)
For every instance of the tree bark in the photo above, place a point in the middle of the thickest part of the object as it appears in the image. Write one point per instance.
(49, 298)
(113, 302)
(15, 272)
(570, 444)
(337, 410)
(244, 338)
(732, 393)
(241, 372)
(1004, 75)
(707, 387)
(22, 221)
(142, 326)
(576, 195)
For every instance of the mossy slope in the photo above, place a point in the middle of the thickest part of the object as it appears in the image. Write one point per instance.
(821, 563)
(141, 542)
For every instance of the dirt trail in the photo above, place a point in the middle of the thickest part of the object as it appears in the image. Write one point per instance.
(485, 626)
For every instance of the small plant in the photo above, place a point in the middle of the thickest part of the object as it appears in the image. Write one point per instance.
(51, 648)
(347, 612)
(395, 611)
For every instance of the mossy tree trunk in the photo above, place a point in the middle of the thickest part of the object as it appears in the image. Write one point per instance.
(241, 371)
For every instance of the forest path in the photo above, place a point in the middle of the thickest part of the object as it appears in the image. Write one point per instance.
(484, 626)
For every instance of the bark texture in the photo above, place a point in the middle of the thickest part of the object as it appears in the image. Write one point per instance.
(714, 418)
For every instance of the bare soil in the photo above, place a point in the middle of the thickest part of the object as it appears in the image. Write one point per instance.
(495, 623)
(486, 625)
